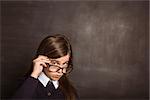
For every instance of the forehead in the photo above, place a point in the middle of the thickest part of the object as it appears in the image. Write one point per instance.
(62, 60)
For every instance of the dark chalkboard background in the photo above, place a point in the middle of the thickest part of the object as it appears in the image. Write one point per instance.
(109, 39)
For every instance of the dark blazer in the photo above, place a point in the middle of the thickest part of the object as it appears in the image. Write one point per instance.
(33, 89)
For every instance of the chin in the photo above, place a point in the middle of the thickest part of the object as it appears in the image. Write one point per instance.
(55, 78)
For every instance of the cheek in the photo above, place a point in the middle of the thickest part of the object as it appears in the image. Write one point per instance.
(53, 75)
(48, 73)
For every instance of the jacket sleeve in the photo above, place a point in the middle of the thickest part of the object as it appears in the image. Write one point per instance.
(27, 89)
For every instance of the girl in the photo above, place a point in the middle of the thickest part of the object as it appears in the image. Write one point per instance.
(48, 77)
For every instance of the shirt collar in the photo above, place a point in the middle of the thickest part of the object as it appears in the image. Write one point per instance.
(44, 80)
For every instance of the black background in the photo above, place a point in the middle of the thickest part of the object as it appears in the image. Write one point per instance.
(109, 40)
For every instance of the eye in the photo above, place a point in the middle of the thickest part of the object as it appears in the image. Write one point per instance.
(54, 62)
(66, 63)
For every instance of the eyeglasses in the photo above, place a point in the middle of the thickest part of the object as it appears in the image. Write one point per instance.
(55, 68)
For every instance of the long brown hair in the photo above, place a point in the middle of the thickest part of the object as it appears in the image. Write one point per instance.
(55, 47)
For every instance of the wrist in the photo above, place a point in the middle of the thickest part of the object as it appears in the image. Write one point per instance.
(34, 75)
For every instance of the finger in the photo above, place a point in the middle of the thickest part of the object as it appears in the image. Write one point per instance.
(43, 64)
(44, 60)
(43, 57)
(41, 61)
(40, 58)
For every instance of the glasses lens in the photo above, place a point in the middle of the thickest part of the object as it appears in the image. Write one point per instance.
(53, 68)
(56, 68)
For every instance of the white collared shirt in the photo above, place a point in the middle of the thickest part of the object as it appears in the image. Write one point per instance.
(44, 80)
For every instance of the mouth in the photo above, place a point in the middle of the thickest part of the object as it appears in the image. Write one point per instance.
(56, 77)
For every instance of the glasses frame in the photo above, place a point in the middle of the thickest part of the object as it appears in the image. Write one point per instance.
(67, 72)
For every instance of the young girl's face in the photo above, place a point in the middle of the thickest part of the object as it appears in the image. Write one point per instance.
(57, 68)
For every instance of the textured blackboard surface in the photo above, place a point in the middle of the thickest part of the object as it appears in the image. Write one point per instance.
(109, 40)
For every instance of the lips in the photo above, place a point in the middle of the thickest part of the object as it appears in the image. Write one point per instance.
(56, 76)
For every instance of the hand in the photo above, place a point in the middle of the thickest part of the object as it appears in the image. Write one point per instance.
(38, 65)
